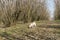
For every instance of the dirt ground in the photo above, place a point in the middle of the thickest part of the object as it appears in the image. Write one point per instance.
(43, 31)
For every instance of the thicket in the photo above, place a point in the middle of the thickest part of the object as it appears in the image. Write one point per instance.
(12, 11)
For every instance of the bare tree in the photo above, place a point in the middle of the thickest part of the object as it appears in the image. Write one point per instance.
(57, 9)
(9, 11)
(34, 10)
(23, 10)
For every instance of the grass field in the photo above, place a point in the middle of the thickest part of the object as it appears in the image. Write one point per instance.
(43, 31)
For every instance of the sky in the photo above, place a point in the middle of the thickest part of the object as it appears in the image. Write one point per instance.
(50, 6)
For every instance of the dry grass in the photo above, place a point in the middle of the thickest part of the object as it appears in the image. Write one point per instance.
(22, 32)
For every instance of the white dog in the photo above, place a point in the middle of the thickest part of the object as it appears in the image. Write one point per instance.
(33, 24)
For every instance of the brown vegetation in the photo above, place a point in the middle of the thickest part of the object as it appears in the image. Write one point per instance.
(57, 9)
(23, 10)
